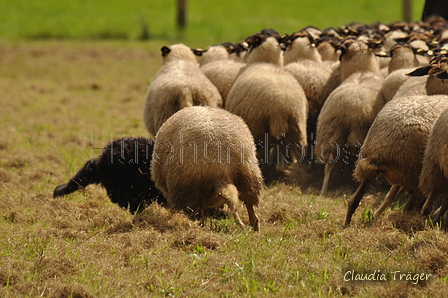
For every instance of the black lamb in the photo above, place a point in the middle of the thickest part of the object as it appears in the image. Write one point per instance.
(123, 169)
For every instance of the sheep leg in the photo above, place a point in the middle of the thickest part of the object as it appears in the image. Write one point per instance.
(237, 218)
(416, 201)
(391, 196)
(428, 204)
(356, 199)
(231, 204)
(442, 209)
(329, 167)
(253, 218)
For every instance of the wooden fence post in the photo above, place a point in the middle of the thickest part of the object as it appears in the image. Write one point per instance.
(407, 10)
(181, 14)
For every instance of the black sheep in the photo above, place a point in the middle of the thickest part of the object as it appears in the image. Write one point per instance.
(123, 169)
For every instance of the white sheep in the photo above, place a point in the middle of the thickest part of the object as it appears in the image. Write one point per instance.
(349, 110)
(203, 158)
(326, 45)
(304, 62)
(272, 103)
(397, 30)
(402, 61)
(434, 175)
(418, 40)
(395, 144)
(179, 83)
(219, 68)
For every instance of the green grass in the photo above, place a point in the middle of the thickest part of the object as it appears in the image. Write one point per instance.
(64, 93)
(60, 99)
(208, 21)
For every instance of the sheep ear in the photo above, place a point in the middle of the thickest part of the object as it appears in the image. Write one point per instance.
(343, 50)
(199, 52)
(419, 72)
(401, 41)
(335, 44)
(443, 75)
(383, 54)
(375, 44)
(419, 51)
(229, 47)
(165, 51)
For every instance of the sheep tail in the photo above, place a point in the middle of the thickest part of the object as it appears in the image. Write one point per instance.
(365, 170)
(85, 176)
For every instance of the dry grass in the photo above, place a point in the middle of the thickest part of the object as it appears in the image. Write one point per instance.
(60, 100)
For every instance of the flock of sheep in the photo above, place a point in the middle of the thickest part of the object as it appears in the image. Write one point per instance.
(231, 117)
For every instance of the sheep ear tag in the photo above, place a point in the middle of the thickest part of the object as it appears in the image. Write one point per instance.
(198, 52)
(165, 51)
(383, 54)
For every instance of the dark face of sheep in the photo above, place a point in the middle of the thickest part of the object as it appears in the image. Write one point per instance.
(288, 40)
(123, 170)
(257, 39)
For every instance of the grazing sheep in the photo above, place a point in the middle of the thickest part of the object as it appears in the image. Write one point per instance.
(434, 175)
(272, 103)
(349, 110)
(214, 53)
(179, 83)
(395, 144)
(219, 68)
(403, 60)
(239, 51)
(397, 30)
(409, 87)
(303, 61)
(205, 157)
(418, 40)
(123, 169)
(327, 45)
(301, 46)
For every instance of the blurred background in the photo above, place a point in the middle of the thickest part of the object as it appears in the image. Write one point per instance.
(205, 22)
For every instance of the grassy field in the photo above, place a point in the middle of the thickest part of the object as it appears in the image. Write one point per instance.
(63, 99)
(208, 21)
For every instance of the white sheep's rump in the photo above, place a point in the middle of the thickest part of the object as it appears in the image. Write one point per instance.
(343, 124)
(434, 176)
(394, 147)
(222, 74)
(275, 108)
(204, 158)
(179, 83)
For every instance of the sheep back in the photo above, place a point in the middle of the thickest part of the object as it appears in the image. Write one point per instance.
(318, 81)
(200, 150)
(270, 100)
(396, 141)
(177, 84)
(410, 87)
(434, 173)
(347, 114)
(223, 73)
(393, 82)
